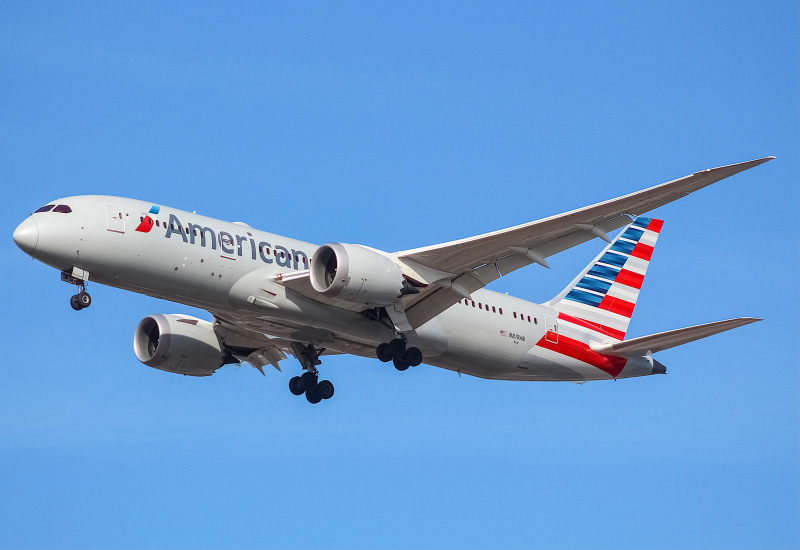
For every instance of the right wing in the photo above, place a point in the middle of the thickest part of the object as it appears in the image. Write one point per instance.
(466, 265)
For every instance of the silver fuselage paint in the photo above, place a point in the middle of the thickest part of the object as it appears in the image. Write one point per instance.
(222, 267)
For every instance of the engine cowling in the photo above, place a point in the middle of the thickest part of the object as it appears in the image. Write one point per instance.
(179, 344)
(356, 273)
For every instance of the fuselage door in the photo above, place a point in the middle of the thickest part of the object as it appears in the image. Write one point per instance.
(115, 217)
(551, 324)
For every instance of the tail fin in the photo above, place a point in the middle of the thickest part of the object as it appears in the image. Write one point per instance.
(603, 296)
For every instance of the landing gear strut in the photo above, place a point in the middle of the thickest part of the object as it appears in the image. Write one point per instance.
(81, 300)
(309, 383)
(396, 351)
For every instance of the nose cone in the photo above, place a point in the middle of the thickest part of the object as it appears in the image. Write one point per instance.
(27, 235)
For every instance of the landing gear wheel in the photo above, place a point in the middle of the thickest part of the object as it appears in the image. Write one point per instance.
(324, 389)
(313, 397)
(397, 347)
(383, 353)
(84, 299)
(400, 364)
(309, 381)
(296, 386)
(74, 303)
(413, 357)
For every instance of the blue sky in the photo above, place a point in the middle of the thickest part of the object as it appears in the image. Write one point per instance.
(398, 126)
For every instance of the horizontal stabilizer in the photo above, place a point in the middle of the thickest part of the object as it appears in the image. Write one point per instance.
(645, 345)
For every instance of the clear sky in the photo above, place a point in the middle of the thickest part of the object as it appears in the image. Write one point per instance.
(398, 126)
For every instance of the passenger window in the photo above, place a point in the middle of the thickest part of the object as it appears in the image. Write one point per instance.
(473, 303)
(535, 322)
(529, 318)
(158, 223)
(515, 315)
(494, 310)
(501, 311)
(480, 305)
(63, 208)
(47, 208)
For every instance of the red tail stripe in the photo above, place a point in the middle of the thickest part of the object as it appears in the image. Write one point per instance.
(608, 331)
(655, 225)
(630, 278)
(582, 352)
(643, 251)
(617, 305)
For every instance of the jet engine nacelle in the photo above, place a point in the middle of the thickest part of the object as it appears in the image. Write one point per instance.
(356, 273)
(179, 344)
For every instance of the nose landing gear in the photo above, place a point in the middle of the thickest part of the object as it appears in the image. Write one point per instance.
(396, 351)
(309, 383)
(78, 277)
(81, 300)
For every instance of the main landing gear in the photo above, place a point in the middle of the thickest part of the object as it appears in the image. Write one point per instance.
(397, 352)
(81, 300)
(309, 383)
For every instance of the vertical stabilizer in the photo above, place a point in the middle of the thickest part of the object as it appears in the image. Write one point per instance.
(602, 297)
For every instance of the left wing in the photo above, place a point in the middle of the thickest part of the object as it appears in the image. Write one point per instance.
(466, 265)
(250, 345)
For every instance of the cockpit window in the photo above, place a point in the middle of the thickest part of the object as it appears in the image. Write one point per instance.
(63, 208)
(46, 208)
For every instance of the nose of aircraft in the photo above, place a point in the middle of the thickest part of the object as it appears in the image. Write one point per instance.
(27, 235)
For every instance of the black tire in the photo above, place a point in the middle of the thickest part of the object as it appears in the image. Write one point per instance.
(76, 305)
(296, 386)
(309, 381)
(397, 347)
(413, 357)
(324, 389)
(313, 397)
(383, 353)
(400, 364)
(84, 299)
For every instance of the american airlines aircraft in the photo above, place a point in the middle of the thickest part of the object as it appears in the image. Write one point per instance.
(272, 296)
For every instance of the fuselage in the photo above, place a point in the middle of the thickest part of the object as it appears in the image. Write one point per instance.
(233, 271)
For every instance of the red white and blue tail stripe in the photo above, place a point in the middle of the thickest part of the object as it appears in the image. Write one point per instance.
(601, 299)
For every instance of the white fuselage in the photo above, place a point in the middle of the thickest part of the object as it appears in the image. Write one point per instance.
(230, 268)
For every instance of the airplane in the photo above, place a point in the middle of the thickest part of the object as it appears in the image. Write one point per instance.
(271, 295)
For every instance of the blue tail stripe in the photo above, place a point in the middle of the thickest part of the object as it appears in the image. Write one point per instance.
(594, 284)
(584, 297)
(613, 259)
(624, 247)
(604, 272)
(632, 234)
(642, 222)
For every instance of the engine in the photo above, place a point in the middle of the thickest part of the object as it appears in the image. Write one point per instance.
(356, 274)
(179, 344)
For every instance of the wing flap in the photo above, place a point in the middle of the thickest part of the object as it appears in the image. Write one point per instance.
(646, 345)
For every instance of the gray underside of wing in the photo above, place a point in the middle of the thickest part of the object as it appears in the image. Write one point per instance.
(479, 260)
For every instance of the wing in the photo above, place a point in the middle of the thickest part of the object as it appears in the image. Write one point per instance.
(645, 345)
(243, 339)
(470, 264)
